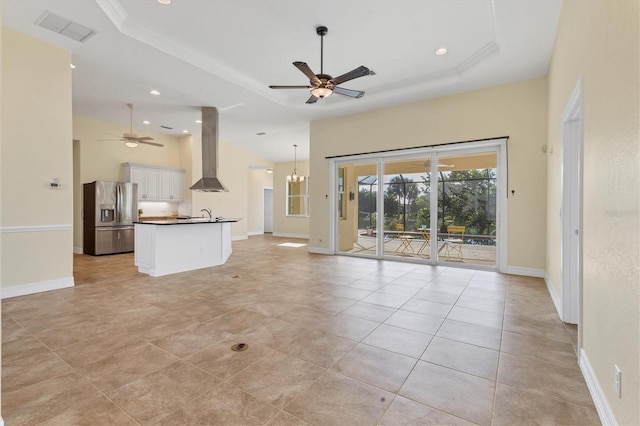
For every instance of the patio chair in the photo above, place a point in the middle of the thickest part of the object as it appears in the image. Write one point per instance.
(453, 242)
(426, 235)
(405, 240)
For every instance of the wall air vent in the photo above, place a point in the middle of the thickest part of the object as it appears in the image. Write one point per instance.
(167, 127)
(64, 26)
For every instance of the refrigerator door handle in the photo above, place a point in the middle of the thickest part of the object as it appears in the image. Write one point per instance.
(118, 203)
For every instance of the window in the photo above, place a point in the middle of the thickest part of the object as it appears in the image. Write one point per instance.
(298, 198)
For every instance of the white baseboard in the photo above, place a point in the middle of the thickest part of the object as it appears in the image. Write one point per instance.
(76, 250)
(286, 235)
(557, 302)
(599, 399)
(527, 272)
(252, 233)
(320, 250)
(240, 237)
(39, 287)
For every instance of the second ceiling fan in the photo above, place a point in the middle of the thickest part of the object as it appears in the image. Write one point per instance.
(322, 85)
(132, 140)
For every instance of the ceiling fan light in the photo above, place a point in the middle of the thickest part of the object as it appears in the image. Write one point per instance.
(131, 144)
(321, 92)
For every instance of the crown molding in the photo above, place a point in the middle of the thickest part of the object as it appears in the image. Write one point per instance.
(114, 11)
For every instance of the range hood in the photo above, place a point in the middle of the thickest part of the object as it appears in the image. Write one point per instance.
(209, 181)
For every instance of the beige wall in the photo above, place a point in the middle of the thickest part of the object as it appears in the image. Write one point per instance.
(607, 57)
(283, 225)
(233, 171)
(516, 110)
(101, 160)
(258, 181)
(36, 147)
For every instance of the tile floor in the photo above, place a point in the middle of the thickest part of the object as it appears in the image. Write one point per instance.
(332, 340)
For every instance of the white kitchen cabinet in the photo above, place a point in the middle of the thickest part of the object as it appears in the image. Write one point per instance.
(147, 180)
(177, 184)
(168, 247)
(171, 184)
(155, 183)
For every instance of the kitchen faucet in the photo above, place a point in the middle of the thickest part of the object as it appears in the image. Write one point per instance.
(208, 211)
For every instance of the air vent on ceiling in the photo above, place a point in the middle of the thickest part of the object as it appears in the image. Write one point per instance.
(64, 26)
(167, 127)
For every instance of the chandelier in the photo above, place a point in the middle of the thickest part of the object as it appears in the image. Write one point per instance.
(294, 176)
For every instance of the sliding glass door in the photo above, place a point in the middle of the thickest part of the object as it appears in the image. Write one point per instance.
(467, 215)
(407, 208)
(436, 205)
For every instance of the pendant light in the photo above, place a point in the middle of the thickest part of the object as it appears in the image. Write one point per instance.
(294, 176)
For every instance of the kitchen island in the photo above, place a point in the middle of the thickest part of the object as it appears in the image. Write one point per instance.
(164, 247)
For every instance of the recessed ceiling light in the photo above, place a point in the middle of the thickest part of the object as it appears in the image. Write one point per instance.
(154, 92)
(185, 131)
(199, 121)
(442, 51)
(269, 170)
(72, 66)
(164, 1)
(146, 122)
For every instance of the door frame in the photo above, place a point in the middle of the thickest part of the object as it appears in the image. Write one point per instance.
(571, 209)
(264, 209)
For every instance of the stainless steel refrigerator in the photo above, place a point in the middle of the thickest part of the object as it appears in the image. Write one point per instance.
(110, 208)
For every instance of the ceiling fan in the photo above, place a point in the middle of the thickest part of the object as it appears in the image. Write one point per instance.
(323, 85)
(131, 139)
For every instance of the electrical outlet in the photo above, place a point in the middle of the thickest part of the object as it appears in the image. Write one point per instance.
(617, 380)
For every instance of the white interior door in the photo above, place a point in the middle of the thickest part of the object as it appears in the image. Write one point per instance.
(268, 210)
(571, 216)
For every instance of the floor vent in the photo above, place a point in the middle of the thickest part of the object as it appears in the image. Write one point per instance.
(239, 347)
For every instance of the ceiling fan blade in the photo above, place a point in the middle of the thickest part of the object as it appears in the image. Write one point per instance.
(312, 100)
(151, 143)
(290, 87)
(144, 138)
(348, 92)
(361, 71)
(302, 66)
(107, 140)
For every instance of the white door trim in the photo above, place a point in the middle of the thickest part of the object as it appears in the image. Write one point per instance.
(264, 210)
(571, 210)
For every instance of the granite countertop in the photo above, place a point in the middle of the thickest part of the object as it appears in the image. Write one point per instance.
(189, 221)
(162, 217)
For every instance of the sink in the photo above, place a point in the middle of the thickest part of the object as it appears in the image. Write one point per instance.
(201, 219)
